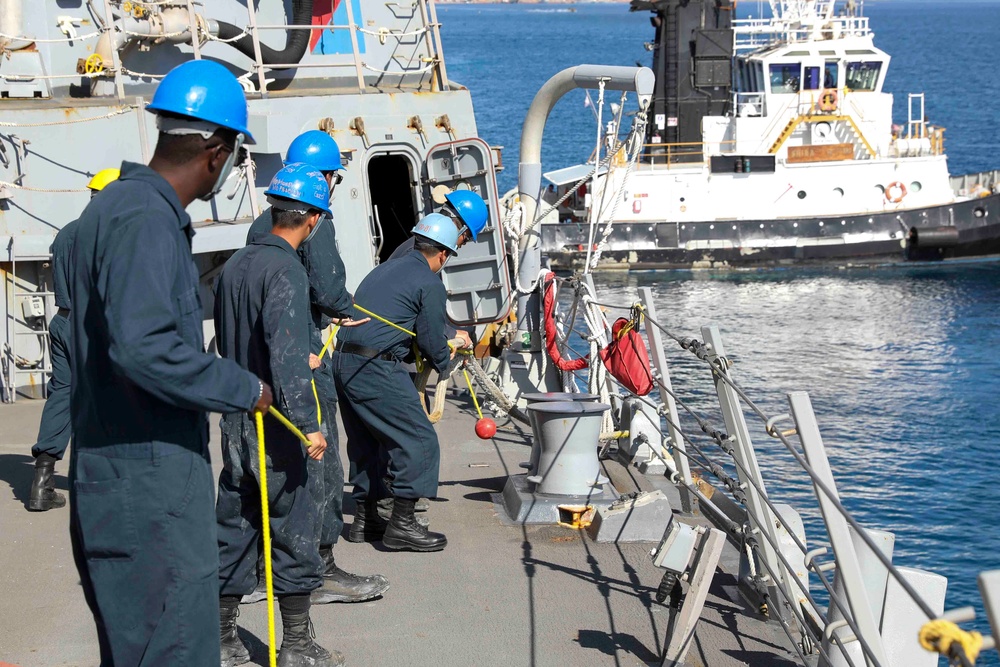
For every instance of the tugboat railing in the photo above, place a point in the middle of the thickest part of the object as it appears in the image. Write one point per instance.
(753, 34)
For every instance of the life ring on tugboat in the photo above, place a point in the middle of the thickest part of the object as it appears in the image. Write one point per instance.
(894, 192)
(828, 100)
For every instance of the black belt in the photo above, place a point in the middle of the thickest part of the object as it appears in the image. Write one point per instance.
(62, 311)
(365, 351)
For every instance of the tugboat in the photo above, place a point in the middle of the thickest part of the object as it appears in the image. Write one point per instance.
(771, 141)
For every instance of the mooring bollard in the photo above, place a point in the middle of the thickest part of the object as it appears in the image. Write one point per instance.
(567, 435)
(531, 465)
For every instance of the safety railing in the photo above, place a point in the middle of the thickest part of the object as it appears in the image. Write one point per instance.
(750, 105)
(134, 21)
(849, 631)
(753, 34)
(684, 154)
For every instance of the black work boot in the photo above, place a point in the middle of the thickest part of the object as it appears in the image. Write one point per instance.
(341, 586)
(233, 651)
(421, 505)
(298, 648)
(43, 493)
(404, 533)
(368, 526)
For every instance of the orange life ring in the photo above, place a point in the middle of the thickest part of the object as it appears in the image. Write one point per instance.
(895, 185)
(828, 100)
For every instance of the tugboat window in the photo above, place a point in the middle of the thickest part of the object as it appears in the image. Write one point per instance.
(831, 75)
(785, 78)
(839, 192)
(916, 186)
(802, 194)
(812, 78)
(863, 76)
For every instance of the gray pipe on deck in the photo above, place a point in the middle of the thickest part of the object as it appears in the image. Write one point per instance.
(529, 179)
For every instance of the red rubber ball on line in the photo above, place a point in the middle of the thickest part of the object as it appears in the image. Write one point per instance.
(486, 428)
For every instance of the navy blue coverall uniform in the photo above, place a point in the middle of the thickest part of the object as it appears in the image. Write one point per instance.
(328, 297)
(381, 409)
(404, 249)
(141, 495)
(262, 322)
(54, 429)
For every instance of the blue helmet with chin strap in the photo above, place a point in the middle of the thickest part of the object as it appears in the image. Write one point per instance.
(440, 229)
(206, 91)
(317, 149)
(471, 209)
(300, 183)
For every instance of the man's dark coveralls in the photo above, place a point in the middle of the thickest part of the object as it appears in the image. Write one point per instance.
(262, 322)
(383, 416)
(141, 497)
(328, 297)
(404, 249)
(54, 430)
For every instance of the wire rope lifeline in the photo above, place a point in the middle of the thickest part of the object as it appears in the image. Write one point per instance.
(111, 114)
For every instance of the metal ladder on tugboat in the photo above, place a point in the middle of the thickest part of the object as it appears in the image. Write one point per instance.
(16, 367)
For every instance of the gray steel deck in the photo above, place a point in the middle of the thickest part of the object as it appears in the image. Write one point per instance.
(497, 595)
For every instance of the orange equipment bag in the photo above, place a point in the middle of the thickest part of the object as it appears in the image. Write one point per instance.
(626, 357)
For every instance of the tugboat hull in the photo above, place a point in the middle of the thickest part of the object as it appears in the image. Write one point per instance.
(963, 229)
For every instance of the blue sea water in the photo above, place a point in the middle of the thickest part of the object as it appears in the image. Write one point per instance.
(901, 363)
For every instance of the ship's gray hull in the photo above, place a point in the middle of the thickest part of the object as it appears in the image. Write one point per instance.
(963, 229)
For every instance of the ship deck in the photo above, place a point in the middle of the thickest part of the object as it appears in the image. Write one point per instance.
(497, 595)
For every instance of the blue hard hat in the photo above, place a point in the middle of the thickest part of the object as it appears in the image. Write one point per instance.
(301, 183)
(471, 208)
(317, 149)
(440, 229)
(203, 90)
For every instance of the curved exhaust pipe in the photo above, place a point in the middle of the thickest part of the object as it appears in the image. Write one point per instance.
(296, 41)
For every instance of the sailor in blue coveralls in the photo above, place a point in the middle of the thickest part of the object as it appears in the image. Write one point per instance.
(54, 429)
(329, 301)
(142, 517)
(470, 214)
(383, 417)
(262, 322)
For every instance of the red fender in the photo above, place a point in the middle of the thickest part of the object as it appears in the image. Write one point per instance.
(549, 307)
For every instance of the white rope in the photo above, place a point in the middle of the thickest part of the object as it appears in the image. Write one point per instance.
(598, 381)
(142, 75)
(51, 41)
(146, 35)
(383, 33)
(635, 137)
(112, 114)
(427, 68)
(593, 182)
(212, 38)
(44, 77)
(5, 184)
